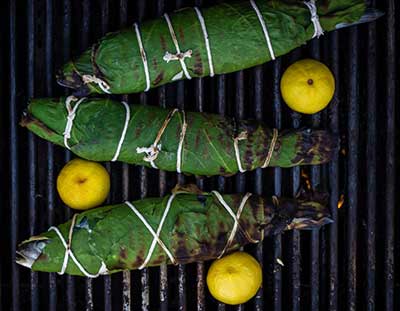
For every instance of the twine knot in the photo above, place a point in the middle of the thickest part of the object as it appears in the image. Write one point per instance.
(318, 30)
(177, 56)
(70, 117)
(151, 152)
(241, 136)
(101, 83)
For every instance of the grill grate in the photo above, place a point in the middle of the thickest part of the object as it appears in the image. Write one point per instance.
(353, 263)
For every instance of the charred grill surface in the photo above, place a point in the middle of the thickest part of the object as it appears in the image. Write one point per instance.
(353, 262)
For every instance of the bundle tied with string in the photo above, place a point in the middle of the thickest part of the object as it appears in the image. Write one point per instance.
(172, 139)
(198, 42)
(187, 226)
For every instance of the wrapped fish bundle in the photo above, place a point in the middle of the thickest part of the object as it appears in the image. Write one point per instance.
(187, 226)
(172, 140)
(195, 42)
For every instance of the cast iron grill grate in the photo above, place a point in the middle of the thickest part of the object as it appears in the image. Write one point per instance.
(351, 263)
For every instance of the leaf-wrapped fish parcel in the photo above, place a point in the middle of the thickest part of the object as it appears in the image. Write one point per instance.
(195, 42)
(184, 227)
(172, 140)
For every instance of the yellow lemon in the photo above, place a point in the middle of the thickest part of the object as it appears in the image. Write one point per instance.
(83, 184)
(307, 86)
(235, 278)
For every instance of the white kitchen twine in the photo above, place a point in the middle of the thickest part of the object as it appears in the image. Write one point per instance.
(180, 146)
(154, 149)
(264, 28)
(235, 218)
(154, 234)
(206, 39)
(242, 136)
(158, 232)
(178, 55)
(178, 76)
(121, 140)
(69, 253)
(271, 148)
(70, 117)
(318, 30)
(101, 83)
(151, 153)
(143, 56)
(236, 223)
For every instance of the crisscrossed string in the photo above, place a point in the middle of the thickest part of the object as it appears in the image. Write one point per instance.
(69, 253)
(156, 235)
(178, 55)
(235, 218)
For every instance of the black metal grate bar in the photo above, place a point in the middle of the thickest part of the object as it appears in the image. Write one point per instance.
(32, 159)
(390, 155)
(258, 178)
(14, 167)
(48, 67)
(277, 240)
(66, 49)
(126, 275)
(371, 167)
(350, 264)
(222, 111)
(104, 26)
(334, 179)
(353, 102)
(315, 182)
